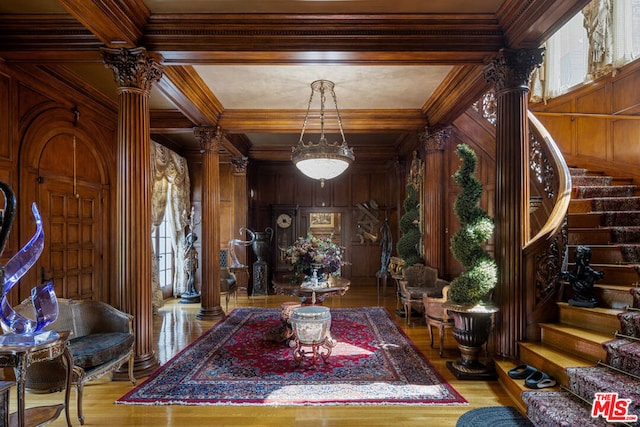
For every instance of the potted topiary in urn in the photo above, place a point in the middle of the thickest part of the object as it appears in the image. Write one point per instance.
(470, 292)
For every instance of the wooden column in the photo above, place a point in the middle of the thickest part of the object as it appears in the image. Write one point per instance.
(510, 72)
(210, 139)
(135, 72)
(435, 235)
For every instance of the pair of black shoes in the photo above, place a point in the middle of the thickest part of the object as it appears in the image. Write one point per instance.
(533, 378)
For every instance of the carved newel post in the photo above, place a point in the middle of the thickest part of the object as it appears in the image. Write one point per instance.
(510, 73)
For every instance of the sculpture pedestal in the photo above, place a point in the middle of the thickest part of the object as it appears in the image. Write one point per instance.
(190, 298)
(260, 278)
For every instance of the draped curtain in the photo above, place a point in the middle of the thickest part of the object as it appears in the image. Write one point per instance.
(170, 197)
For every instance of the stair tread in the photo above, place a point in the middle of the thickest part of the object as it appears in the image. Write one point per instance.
(582, 333)
(555, 355)
(598, 310)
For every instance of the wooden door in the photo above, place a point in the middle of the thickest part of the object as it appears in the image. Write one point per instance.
(73, 241)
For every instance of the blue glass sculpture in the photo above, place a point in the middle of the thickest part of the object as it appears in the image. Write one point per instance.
(43, 297)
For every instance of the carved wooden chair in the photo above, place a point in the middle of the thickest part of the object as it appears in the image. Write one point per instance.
(435, 315)
(418, 281)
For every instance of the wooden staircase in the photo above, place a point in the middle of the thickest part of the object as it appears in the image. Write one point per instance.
(577, 338)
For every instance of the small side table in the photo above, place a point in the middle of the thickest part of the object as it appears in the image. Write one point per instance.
(20, 356)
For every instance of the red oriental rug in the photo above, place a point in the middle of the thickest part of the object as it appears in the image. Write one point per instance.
(373, 363)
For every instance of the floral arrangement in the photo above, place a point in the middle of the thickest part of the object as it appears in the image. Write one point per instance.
(310, 250)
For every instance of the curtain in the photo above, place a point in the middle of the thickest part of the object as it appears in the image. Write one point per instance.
(624, 31)
(170, 197)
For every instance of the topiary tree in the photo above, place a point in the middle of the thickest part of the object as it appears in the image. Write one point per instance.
(409, 243)
(481, 273)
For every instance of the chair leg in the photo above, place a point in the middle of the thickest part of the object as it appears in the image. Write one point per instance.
(431, 334)
(79, 390)
(131, 361)
(441, 330)
(407, 313)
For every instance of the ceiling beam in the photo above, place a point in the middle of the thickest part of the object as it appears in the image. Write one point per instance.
(116, 23)
(528, 24)
(203, 38)
(290, 121)
(461, 88)
(184, 87)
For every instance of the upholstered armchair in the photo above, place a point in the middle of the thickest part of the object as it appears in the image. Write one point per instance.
(418, 281)
(435, 315)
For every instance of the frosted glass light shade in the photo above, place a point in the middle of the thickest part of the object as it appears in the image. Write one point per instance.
(322, 168)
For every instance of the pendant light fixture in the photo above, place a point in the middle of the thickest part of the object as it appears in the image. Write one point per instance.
(322, 160)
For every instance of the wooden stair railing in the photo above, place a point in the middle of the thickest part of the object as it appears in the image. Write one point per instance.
(545, 253)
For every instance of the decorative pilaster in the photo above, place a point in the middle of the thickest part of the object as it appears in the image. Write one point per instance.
(434, 232)
(510, 73)
(210, 139)
(135, 72)
(240, 209)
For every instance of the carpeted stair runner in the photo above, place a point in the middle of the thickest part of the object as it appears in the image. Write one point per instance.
(625, 234)
(590, 180)
(623, 354)
(603, 204)
(562, 408)
(577, 172)
(618, 218)
(630, 252)
(630, 323)
(558, 408)
(586, 382)
(591, 191)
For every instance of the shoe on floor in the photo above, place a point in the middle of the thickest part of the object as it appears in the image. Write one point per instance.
(521, 372)
(539, 379)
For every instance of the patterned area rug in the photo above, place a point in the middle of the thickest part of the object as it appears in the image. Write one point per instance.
(374, 363)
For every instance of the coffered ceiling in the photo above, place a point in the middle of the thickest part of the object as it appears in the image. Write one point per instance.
(247, 65)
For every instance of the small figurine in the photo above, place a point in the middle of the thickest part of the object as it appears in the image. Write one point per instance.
(582, 279)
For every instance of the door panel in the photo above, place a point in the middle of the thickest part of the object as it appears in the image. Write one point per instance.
(72, 225)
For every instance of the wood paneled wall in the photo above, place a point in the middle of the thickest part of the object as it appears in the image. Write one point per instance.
(283, 184)
(38, 122)
(597, 125)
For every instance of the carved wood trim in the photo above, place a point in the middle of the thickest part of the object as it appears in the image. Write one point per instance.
(117, 23)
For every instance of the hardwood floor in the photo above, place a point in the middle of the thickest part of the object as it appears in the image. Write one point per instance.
(176, 326)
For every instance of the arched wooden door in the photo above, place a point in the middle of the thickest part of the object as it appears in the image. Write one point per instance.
(70, 193)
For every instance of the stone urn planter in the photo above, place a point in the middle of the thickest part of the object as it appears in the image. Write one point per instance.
(471, 330)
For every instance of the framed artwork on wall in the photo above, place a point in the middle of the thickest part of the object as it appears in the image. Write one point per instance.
(321, 220)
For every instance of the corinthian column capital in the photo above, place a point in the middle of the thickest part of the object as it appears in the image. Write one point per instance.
(133, 68)
(512, 69)
(210, 138)
(434, 139)
(240, 164)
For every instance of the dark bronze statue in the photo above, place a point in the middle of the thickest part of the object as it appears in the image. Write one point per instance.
(582, 279)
